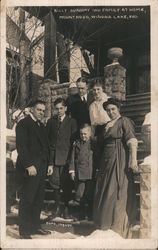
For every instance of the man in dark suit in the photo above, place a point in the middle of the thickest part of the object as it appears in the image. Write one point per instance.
(61, 133)
(79, 107)
(33, 163)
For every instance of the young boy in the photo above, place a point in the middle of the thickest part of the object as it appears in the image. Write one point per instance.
(61, 133)
(82, 171)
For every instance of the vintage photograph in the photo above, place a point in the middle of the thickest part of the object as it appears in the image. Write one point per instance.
(78, 122)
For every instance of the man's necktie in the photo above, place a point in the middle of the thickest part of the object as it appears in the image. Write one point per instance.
(38, 123)
(59, 123)
(84, 99)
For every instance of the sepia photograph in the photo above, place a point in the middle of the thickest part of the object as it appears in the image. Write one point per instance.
(78, 109)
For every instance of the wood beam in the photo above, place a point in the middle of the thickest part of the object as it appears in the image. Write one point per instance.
(50, 47)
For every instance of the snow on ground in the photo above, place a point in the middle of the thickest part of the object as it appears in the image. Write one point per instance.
(12, 233)
(100, 234)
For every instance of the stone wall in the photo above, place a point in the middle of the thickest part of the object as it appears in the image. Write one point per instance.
(49, 92)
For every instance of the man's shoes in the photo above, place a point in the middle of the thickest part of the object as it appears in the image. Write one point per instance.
(41, 231)
(57, 212)
(25, 236)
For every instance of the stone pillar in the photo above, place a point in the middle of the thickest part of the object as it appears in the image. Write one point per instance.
(145, 199)
(44, 93)
(49, 92)
(115, 76)
(145, 181)
(50, 47)
(146, 134)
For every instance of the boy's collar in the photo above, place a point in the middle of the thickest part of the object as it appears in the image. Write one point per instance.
(62, 117)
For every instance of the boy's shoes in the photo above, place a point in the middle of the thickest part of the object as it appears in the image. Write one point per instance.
(56, 213)
(83, 217)
(74, 203)
(66, 213)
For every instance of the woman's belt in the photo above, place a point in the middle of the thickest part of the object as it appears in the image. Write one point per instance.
(109, 144)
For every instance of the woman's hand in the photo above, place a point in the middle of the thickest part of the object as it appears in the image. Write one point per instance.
(132, 144)
(133, 165)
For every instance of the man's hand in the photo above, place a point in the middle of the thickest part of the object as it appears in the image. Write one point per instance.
(32, 171)
(50, 170)
(72, 176)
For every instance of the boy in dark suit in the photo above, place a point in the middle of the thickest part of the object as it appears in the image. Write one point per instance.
(61, 133)
(32, 164)
(82, 171)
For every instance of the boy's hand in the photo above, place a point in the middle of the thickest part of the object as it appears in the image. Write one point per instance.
(72, 176)
(96, 173)
(50, 170)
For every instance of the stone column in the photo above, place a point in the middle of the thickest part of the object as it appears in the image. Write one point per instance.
(44, 93)
(50, 47)
(145, 181)
(115, 76)
(49, 92)
(145, 199)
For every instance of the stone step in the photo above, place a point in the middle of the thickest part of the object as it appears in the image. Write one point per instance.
(138, 135)
(137, 108)
(77, 228)
(138, 96)
(49, 201)
(138, 129)
(49, 190)
(138, 119)
(136, 102)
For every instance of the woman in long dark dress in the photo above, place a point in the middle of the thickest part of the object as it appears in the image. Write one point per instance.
(114, 194)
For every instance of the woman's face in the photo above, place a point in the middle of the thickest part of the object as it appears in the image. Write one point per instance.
(113, 111)
(97, 92)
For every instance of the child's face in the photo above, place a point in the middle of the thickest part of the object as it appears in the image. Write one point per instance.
(85, 134)
(61, 109)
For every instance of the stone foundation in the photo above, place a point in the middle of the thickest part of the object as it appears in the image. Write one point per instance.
(145, 200)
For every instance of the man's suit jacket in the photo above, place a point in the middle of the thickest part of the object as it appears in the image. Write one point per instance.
(78, 109)
(61, 138)
(32, 146)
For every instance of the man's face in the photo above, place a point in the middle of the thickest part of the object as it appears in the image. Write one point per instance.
(82, 88)
(61, 109)
(97, 91)
(85, 134)
(38, 111)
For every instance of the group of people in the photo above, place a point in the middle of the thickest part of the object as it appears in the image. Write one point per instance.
(87, 145)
